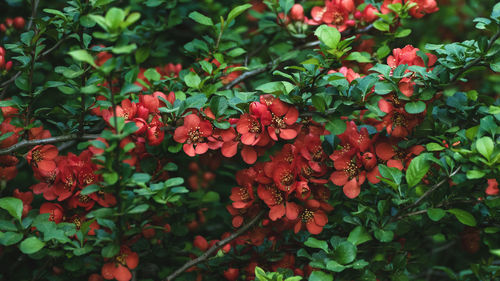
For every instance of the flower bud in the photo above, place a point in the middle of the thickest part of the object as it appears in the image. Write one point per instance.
(369, 13)
(297, 12)
(231, 274)
(3, 28)
(19, 23)
(9, 22)
(8, 65)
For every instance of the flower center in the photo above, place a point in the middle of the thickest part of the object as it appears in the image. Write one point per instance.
(255, 127)
(352, 169)
(307, 215)
(195, 136)
(287, 178)
(399, 120)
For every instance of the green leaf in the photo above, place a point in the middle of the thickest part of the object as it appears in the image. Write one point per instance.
(417, 169)
(174, 182)
(435, 214)
(10, 238)
(236, 12)
(391, 173)
(110, 178)
(345, 252)
(381, 25)
(31, 245)
(110, 250)
(218, 105)
(383, 88)
(434, 147)
(152, 75)
(320, 276)
(336, 126)
(315, 243)
(359, 236)
(485, 146)
(83, 56)
(328, 35)
(415, 107)
(139, 209)
(12, 205)
(362, 57)
(210, 196)
(192, 80)
(90, 189)
(334, 266)
(384, 235)
(199, 18)
(463, 216)
(114, 17)
(475, 174)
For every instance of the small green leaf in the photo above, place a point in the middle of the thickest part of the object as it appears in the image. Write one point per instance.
(415, 107)
(110, 178)
(238, 10)
(174, 182)
(12, 205)
(110, 250)
(345, 252)
(328, 35)
(417, 169)
(139, 209)
(334, 266)
(315, 243)
(485, 146)
(362, 57)
(83, 56)
(31, 245)
(211, 196)
(320, 276)
(435, 214)
(359, 236)
(383, 88)
(199, 18)
(90, 189)
(463, 216)
(475, 174)
(192, 80)
(336, 126)
(434, 147)
(10, 238)
(384, 235)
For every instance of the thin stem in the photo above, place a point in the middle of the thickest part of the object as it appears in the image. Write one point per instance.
(30, 143)
(216, 247)
(477, 60)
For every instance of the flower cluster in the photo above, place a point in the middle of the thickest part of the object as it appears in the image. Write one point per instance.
(4, 64)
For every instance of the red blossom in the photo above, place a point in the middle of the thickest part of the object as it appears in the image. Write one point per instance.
(193, 133)
(42, 157)
(121, 265)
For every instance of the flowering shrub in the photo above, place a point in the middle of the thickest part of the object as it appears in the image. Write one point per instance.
(269, 140)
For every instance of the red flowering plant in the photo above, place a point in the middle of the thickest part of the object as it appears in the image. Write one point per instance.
(162, 140)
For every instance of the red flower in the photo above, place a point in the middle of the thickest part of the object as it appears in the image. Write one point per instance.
(231, 274)
(243, 195)
(275, 199)
(423, 7)
(395, 156)
(251, 130)
(349, 175)
(492, 188)
(55, 211)
(397, 121)
(119, 268)
(42, 157)
(283, 116)
(313, 218)
(297, 12)
(201, 243)
(193, 134)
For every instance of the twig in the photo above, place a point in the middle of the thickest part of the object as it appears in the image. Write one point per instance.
(257, 71)
(477, 60)
(29, 143)
(216, 247)
(247, 75)
(427, 193)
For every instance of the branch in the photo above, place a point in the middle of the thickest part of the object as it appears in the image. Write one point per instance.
(246, 75)
(425, 195)
(477, 60)
(257, 71)
(216, 247)
(29, 143)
